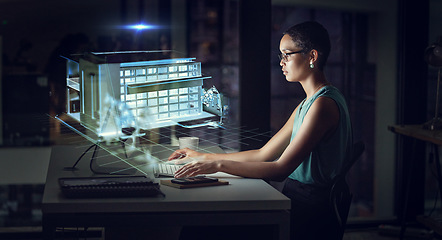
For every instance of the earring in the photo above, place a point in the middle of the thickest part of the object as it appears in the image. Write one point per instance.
(312, 66)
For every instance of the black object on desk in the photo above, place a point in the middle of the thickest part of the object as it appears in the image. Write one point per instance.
(101, 187)
(194, 180)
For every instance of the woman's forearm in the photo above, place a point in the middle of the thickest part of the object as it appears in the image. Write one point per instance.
(264, 170)
(245, 156)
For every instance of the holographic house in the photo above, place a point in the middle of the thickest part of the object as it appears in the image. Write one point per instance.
(143, 88)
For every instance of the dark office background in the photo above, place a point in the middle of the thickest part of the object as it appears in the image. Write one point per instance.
(33, 34)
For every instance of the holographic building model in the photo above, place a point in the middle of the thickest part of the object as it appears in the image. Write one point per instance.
(139, 89)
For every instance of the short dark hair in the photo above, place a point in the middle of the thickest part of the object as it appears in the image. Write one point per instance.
(311, 35)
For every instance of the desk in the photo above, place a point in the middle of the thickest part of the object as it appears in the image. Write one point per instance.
(418, 132)
(433, 137)
(242, 202)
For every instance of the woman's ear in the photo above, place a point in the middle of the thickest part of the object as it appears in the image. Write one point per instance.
(313, 56)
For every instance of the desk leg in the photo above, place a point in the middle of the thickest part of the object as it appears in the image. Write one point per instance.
(408, 183)
(438, 171)
(407, 192)
(48, 229)
(284, 227)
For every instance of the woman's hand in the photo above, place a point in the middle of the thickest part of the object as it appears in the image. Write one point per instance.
(195, 168)
(185, 155)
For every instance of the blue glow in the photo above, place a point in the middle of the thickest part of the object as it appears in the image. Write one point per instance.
(141, 26)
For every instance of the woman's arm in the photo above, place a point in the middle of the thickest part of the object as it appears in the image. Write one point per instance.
(319, 123)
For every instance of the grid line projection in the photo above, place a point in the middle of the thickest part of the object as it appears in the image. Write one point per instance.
(144, 156)
(146, 151)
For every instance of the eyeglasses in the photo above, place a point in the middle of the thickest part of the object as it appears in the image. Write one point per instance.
(285, 56)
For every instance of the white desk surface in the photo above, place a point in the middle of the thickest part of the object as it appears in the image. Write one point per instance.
(240, 195)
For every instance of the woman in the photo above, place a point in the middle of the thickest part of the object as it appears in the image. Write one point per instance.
(310, 148)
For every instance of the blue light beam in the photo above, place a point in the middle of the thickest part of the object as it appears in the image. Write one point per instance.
(141, 26)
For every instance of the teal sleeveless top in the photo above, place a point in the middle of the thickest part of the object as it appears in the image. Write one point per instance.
(327, 158)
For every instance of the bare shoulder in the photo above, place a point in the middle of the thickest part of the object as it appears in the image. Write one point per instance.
(324, 110)
(325, 102)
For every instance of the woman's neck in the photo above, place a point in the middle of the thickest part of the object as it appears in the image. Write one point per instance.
(314, 84)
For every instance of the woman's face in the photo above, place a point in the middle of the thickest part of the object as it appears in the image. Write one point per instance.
(294, 66)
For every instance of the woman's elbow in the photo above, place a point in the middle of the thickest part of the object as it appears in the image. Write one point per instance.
(278, 178)
(278, 174)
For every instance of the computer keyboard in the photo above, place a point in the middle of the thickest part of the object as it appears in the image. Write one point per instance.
(101, 187)
(165, 170)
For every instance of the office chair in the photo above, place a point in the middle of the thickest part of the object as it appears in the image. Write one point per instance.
(340, 195)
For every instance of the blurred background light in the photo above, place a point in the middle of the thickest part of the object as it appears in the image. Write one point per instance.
(140, 26)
